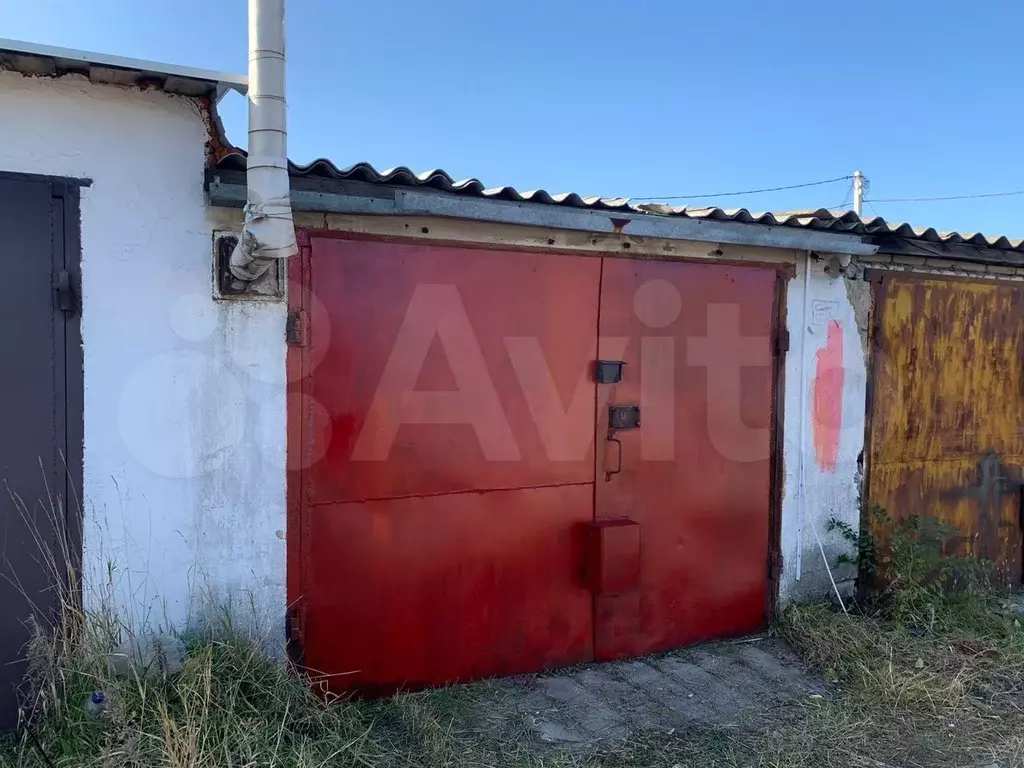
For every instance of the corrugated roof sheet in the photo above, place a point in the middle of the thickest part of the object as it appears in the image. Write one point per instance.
(847, 222)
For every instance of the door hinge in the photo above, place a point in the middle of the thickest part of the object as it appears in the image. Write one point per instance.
(781, 341)
(774, 566)
(293, 627)
(295, 328)
(65, 292)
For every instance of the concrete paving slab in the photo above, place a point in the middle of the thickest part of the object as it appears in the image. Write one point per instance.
(706, 686)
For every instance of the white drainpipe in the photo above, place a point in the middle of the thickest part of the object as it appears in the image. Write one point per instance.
(269, 232)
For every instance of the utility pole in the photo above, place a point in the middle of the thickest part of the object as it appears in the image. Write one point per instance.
(858, 192)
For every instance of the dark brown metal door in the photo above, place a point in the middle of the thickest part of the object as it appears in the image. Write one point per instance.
(40, 410)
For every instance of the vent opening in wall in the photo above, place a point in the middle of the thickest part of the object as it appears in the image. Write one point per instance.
(269, 287)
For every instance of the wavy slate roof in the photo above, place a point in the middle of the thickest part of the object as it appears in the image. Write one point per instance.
(821, 219)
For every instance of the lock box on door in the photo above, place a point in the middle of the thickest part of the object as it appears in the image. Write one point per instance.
(611, 556)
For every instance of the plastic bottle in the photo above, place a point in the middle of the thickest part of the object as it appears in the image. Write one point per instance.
(96, 704)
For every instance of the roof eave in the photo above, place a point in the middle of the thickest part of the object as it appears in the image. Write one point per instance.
(37, 59)
(348, 197)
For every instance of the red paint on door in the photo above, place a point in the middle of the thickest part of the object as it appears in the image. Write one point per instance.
(452, 507)
(428, 590)
(442, 538)
(827, 400)
(702, 498)
(418, 378)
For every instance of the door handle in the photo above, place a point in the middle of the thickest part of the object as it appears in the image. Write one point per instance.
(609, 472)
(620, 417)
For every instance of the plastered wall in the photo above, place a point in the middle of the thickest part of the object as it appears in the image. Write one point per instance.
(184, 480)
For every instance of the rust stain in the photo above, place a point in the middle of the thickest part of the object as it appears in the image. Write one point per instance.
(992, 483)
(619, 225)
(827, 399)
(947, 426)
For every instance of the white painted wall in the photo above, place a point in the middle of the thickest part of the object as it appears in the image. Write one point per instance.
(828, 491)
(184, 481)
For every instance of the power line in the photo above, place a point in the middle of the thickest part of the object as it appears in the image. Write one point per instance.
(746, 192)
(846, 197)
(938, 199)
(832, 181)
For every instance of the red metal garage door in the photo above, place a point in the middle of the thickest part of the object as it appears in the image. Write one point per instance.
(696, 475)
(450, 512)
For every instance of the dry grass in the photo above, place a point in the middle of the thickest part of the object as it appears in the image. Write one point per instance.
(928, 680)
(228, 705)
(949, 696)
(952, 696)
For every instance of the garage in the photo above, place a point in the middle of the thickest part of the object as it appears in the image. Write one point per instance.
(503, 461)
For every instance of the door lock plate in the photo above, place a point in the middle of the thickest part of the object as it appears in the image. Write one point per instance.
(623, 417)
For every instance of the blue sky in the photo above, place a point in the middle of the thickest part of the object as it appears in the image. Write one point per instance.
(626, 98)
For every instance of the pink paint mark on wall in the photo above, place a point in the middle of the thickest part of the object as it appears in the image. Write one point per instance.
(827, 399)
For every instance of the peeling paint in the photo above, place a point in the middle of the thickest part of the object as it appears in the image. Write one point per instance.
(832, 427)
(860, 296)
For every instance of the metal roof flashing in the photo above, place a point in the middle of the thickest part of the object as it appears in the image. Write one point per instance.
(322, 187)
(51, 61)
(363, 190)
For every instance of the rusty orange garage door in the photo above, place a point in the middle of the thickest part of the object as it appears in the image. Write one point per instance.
(947, 410)
(474, 495)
